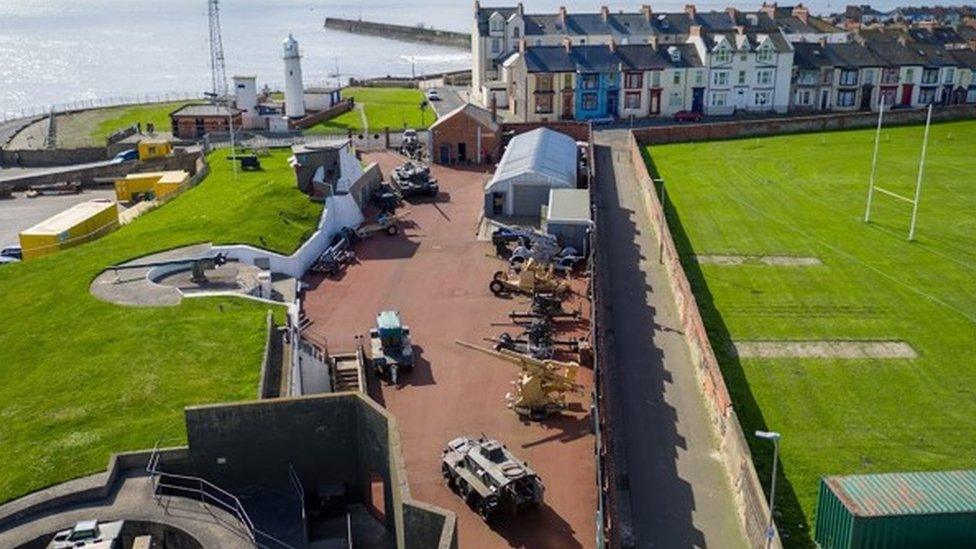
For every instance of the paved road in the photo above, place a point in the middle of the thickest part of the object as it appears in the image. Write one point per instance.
(675, 488)
(450, 100)
(20, 212)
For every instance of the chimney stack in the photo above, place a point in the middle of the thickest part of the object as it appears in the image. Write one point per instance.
(646, 12)
(769, 9)
(494, 108)
(802, 13)
(653, 41)
(903, 40)
(522, 45)
(823, 42)
(695, 30)
(612, 45)
(733, 14)
(520, 9)
(690, 10)
(562, 14)
(568, 44)
(477, 6)
(605, 13)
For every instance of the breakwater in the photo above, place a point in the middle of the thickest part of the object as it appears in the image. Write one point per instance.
(422, 35)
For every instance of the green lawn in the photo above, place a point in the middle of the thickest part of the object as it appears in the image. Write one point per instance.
(122, 117)
(81, 378)
(804, 195)
(394, 108)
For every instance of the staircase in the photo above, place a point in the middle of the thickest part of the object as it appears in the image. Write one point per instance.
(347, 372)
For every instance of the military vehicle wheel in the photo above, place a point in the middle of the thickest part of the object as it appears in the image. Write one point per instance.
(463, 489)
(392, 230)
(484, 510)
(498, 275)
(496, 287)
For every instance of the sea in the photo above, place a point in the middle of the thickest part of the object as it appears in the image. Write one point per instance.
(64, 51)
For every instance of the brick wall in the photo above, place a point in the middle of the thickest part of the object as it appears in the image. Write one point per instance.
(802, 124)
(733, 448)
(322, 116)
(580, 131)
(462, 129)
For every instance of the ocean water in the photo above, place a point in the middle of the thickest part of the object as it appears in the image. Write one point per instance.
(61, 51)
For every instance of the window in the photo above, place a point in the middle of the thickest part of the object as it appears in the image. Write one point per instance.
(496, 45)
(656, 79)
(699, 77)
(803, 97)
(910, 75)
(930, 76)
(869, 76)
(589, 101)
(723, 55)
(848, 77)
(677, 78)
(720, 78)
(591, 81)
(742, 78)
(950, 75)
(543, 104)
(632, 100)
(762, 98)
(764, 77)
(582, 41)
(516, 32)
(926, 96)
(765, 54)
(538, 41)
(543, 82)
(567, 81)
(719, 99)
(497, 25)
(744, 57)
(845, 98)
(971, 95)
(888, 96)
(674, 100)
(634, 80)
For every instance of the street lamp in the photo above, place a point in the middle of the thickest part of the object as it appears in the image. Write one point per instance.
(773, 436)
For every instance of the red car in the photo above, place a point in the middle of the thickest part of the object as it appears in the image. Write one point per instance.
(688, 116)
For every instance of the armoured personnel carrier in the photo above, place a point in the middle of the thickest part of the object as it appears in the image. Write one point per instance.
(489, 477)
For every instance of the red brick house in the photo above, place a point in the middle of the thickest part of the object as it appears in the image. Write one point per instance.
(466, 135)
(193, 121)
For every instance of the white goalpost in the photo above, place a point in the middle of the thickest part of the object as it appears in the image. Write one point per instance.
(874, 188)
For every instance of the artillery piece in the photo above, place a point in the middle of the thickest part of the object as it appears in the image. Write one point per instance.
(532, 279)
(542, 385)
(545, 306)
(538, 340)
(199, 266)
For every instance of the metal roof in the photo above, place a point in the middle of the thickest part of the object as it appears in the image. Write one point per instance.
(539, 152)
(887, 494)
(569, 206)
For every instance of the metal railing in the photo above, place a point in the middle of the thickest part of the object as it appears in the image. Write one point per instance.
(83, 104)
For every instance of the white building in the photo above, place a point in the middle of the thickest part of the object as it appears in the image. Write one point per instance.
(294, 88)
(533, 163)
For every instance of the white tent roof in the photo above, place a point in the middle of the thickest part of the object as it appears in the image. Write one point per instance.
(540, 152)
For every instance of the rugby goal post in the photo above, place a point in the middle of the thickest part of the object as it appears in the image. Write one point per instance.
(874, 188)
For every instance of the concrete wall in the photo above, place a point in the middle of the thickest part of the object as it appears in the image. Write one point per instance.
(733, 449)
(44, 158)
(269, 385)
(400, 32)
(801, 124)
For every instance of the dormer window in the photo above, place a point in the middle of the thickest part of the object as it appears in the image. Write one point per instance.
(496, 24)
(765, 53)
(723, 54)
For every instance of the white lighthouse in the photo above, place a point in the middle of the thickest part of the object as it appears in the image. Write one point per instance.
(294, 89)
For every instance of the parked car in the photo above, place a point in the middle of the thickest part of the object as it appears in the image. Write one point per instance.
(13, 253)
(89, 533)
(126, 156)
(688, 116)
(432, 95)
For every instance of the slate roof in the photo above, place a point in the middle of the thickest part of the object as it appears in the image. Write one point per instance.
(600, 58)
(896, 53)
(853, 55)
(472, 111)
(748, 41)
(811, 55)
(965, 58)
(484, 14)
(204, 110)
(938, 36)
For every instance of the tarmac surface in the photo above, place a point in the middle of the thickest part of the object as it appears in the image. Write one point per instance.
(436, 273)
(20, 213)
(676, 493)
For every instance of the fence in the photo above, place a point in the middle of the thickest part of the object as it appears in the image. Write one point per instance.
(733, 448)
(83, 104)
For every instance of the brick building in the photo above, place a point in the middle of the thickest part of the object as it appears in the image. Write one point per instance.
(193, 121)
(468, 134)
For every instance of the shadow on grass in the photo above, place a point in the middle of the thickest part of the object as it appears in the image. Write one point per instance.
(790, 518)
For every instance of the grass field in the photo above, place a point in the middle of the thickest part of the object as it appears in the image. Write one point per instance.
(81, 378)
(92, 127)
(396, 108)
(804, 195)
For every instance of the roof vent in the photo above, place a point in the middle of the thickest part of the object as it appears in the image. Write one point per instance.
(674, 53)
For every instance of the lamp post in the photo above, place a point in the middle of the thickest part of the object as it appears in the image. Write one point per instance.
(773, 436)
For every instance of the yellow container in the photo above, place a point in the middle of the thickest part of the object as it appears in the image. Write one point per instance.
(154, 148)
(160, 183)
(76, 225)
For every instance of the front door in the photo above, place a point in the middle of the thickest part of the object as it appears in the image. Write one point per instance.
(698, 99)
(906, 94)
(866, 93)
(612, 100)
(462, 152)
(445, 154)
(497, 203)
(568, 106)
(655, 101)
(824, 99)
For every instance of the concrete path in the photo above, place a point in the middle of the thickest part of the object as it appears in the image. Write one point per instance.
(673, 485)
(20, 213)
(133, 500)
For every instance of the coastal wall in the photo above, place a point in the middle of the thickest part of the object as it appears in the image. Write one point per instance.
(733, 448)
(401, 32)
(796, 124)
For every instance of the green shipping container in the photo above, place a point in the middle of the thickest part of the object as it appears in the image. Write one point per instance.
(893, 510)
